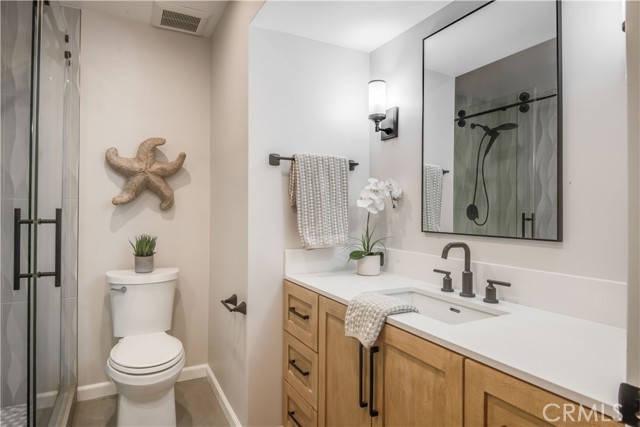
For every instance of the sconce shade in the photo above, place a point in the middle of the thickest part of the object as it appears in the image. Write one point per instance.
(377, 98)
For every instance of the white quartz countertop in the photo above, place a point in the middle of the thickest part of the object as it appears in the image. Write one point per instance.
(578, 359)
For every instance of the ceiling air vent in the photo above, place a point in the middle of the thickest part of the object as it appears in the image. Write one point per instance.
(174, 17)
(179, 21)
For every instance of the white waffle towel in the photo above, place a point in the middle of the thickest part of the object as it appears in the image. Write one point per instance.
(367, 312)
(432, 197)
(319, 190)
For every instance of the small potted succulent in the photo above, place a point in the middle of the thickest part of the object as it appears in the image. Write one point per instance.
(368, 251)
(143, 250)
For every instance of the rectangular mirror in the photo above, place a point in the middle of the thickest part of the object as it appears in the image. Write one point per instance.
(491, 141)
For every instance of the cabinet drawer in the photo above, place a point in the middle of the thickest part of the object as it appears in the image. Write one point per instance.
(297, 412)
(301, 314)
(301, 369)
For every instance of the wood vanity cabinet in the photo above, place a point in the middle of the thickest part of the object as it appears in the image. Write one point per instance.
(300, 361)
(338, 398)
(421, 383)
(493, 398)
(416, 383)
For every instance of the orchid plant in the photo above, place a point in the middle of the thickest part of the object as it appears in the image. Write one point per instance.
(372, 199)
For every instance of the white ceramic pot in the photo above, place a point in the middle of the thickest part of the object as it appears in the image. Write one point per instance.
(369, 265)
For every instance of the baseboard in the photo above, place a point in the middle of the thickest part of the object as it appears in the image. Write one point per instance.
(229, 414)
(193, 372)
(96, 391)
(107, 388)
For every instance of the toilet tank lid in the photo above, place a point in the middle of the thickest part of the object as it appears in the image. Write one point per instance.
(130, 277)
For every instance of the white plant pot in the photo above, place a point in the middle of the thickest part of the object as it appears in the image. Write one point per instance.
(369, 265)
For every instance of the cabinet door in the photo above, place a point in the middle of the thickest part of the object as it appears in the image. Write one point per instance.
(338, 403)
(493, 398)
(421, 383)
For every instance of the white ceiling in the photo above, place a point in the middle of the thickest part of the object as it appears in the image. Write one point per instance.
(361, 24)
(140, 10)
(358, 25)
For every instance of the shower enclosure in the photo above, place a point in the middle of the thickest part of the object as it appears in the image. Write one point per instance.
(505, 166)
(39, 119)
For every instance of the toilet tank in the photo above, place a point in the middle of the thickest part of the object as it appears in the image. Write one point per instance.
(141, 303)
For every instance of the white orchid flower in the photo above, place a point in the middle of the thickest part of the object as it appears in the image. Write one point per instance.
(393, 190)
(373, 195)
(372, 199)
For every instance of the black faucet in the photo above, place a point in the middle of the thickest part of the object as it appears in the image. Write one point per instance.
(467, 275)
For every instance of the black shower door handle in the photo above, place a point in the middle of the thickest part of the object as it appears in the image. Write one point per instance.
(58, 249)
(17, 241)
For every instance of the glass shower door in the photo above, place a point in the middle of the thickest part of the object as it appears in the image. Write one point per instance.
(15, 193)
(47, 176)
(38, 158)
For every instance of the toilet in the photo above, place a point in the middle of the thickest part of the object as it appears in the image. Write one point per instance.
(146, 362)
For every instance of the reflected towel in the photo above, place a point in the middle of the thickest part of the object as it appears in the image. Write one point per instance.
(367, 312)
(319, 190)
(432, 197)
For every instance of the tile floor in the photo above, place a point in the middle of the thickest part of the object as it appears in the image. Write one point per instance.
(195, 406)
(13, 416)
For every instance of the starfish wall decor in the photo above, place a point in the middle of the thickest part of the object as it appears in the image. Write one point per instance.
(144, 171)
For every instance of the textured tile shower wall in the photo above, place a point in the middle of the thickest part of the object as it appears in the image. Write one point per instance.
(14, 155)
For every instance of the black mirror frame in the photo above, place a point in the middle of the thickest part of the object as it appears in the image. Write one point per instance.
(559, 237)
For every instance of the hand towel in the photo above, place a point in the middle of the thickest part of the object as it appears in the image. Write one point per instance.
(367, 312)
(432, 197)
(319, 190)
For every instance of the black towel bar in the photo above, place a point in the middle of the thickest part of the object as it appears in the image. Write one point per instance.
(274, 160)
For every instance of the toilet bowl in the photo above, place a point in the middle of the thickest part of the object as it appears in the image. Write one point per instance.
(145, 369)
(146, 362)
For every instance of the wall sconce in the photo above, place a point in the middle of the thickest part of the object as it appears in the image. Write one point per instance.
(386, 121)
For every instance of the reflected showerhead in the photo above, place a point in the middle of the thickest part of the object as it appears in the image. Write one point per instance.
(493, 132)
(506, 126)
(487, 129)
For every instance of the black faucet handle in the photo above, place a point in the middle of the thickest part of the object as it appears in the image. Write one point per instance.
(447, 285)
(498, 282)
(490, 294)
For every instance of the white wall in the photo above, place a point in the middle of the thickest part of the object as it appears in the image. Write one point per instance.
(594, 138)
(229, 144)
(304, 97)
(140, 82)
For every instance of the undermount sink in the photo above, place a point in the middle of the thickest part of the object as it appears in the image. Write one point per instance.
(443, 308)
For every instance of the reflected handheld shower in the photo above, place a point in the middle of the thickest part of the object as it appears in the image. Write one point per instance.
(493, 134)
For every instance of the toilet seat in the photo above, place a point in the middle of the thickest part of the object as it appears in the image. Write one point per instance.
(146, 354)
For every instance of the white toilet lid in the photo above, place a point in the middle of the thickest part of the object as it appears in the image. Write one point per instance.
(146, 351)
